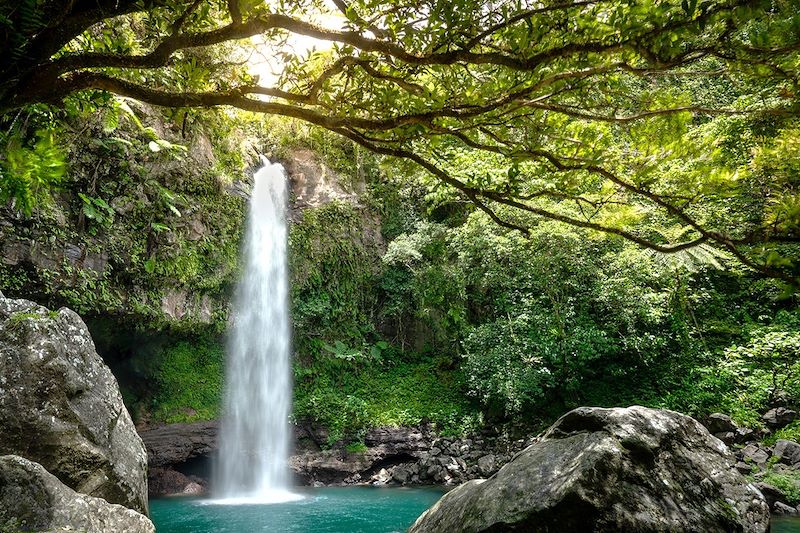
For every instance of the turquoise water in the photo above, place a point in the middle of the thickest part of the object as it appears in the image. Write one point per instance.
(785, 525)
(323, 510)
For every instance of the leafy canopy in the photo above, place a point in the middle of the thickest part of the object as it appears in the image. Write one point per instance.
(640, 118)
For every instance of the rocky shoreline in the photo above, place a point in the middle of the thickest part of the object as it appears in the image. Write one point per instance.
(180, 455)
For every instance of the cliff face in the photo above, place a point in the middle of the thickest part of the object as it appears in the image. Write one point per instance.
(143, 242)
(150, 231)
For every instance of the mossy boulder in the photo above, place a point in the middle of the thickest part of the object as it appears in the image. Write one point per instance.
(32, 499)
(61, 407)
(625, 469)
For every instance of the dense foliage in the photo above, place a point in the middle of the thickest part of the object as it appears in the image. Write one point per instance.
(610, 116)
(557, 204)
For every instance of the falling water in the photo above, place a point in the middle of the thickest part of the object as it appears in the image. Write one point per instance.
(254, 435)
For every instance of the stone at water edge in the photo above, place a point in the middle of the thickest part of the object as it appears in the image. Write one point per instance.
(609, 470)
(60, 405)
(32, 499)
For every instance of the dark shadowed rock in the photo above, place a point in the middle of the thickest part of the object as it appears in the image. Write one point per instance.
(771, 493)
(31, 496)
(779, 417)
(166, 482)
(788, 452)
(603, 470)
(60, 406)
(173, 444)
(720, 423)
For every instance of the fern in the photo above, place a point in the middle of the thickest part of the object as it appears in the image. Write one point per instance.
(29, 172)
(26, 21)
(688, 260)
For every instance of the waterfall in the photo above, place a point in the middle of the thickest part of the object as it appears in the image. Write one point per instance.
(254, 437)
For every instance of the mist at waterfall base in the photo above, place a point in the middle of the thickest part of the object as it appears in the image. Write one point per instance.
(254, 437)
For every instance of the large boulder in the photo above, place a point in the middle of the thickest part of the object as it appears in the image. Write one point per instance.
(61, 407)
(603, 470)
(32, 499)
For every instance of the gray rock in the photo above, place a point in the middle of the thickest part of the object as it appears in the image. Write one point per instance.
(787, 451)
(401, 474)
(720, 423)
(771, 493)
(781, 508)
(381, 478)
(755, 453)
(173, 444)
(779, 417)
(329, 466)
(728, 437)
(744, 434)
(61, 407)
(73, 253)
(487, 465)
(30, 495)
(603, 470)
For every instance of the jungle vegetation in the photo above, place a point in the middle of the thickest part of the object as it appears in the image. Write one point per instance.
(588, 201)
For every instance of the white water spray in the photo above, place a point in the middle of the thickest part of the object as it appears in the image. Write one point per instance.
(254, 438)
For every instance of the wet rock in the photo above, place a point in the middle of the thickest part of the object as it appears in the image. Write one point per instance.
(780, 508)
(60, 406)
(36, 500)
(167, 482)
(174, 444)
(779, 417)
(605, 470)
(401, 474)
(329, 466)
(771, 493)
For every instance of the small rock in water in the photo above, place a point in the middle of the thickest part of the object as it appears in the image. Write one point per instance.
(781, 508)
(193, 488)
(381, 478)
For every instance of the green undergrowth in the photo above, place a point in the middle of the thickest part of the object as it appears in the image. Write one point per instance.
(788, 481)
(349, 399)
(185, 378)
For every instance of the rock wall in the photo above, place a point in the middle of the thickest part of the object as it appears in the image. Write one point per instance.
(179, 456)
